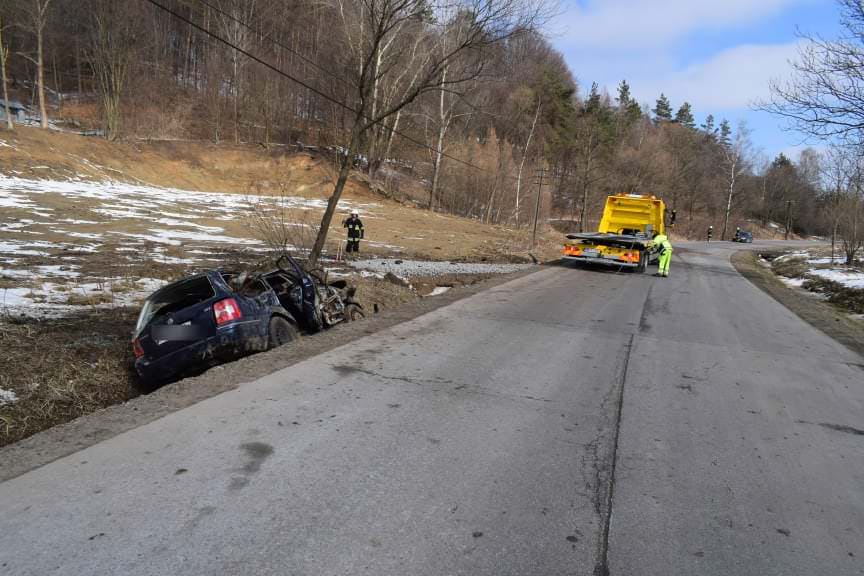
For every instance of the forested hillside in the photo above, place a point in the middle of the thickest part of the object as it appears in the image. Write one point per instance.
(467, 98)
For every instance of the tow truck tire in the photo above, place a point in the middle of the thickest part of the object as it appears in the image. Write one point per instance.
(281, 332)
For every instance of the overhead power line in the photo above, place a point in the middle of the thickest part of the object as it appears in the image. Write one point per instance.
(308, 86)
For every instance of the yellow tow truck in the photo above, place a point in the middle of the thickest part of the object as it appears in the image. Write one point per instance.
(624, 237)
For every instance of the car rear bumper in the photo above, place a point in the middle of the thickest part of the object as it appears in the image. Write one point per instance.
(229, 343)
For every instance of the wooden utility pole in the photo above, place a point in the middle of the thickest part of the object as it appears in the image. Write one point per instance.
(540, 173)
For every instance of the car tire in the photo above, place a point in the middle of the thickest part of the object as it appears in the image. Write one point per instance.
(353, 312)
(280, 332)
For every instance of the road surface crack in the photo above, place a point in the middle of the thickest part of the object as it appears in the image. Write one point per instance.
(601, 566)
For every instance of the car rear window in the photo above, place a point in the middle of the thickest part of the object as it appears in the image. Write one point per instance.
(175, 297)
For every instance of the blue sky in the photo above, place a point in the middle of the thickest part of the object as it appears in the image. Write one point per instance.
(717, 55)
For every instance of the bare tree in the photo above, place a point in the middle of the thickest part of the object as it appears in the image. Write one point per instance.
(846, 179)
(835, 177)
(370, 25)
(735, 163)
(232, 16)
(283, 223)
(4, 56)
(851, 223)
(825, 97)
(111, 45)
(524, 157)
(37, 19)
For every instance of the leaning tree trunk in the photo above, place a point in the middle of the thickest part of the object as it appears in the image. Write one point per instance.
(333, 201)
(522, 162)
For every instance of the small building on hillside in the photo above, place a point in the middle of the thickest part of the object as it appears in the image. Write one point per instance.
(18, 111)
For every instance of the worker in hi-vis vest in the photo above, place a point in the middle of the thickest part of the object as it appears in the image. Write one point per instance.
(664, 247)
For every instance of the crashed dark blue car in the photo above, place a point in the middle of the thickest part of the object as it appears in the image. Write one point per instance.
(190, 325)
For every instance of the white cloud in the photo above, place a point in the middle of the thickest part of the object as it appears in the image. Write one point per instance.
(734, 78)
(627, 24)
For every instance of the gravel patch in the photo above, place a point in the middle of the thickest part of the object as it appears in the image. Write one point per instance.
(414, 268)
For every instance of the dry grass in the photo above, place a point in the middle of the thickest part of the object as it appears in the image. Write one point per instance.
(61, 369)
(849, 299)
(790, 267)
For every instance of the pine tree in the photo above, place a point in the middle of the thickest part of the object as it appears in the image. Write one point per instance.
(781, 161)
(593, 102)
(624, 97)
(725, 133)
(663, 109)
(708, 126)
(628, 107)
(685, 116)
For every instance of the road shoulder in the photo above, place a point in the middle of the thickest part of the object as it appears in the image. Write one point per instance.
(820, 315)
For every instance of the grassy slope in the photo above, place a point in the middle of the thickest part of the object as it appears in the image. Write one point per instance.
(245, 169)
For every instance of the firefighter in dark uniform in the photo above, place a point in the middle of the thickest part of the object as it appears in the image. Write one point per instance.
(355, 232)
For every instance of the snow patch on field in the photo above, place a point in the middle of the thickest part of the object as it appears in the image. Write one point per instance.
(793, 282)
(835, 260)
(412, 268)
(847, 278)
(40, 271)
(140, 201)
(51, 300)
(792, 255)
(12, 200)
(7, 397)
(111, 223)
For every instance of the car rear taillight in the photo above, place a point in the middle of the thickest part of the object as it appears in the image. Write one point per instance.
(137, 349)
(226, 311)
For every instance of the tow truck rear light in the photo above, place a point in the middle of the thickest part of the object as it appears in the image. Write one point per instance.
(226, 311)
(137, 349)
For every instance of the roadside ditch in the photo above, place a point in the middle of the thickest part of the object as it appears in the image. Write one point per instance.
(94, 391)
(833, 318)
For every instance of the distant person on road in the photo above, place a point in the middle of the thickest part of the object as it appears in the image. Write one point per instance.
(664, 247)
(355, 232)
(710, 232)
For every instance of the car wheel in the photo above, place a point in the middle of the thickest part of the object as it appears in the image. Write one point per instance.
(281, 332)
(353, 312)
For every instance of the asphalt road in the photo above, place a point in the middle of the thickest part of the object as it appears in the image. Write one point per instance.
(571, 422)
